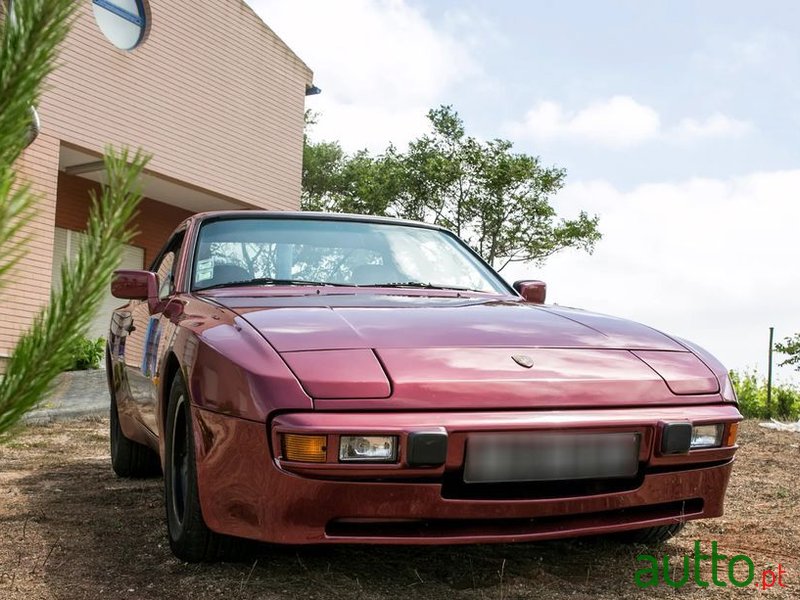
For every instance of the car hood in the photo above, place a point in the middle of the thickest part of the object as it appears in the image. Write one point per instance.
(346, 321)
(470, 352)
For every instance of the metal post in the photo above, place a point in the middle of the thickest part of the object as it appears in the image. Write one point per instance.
(769, 374)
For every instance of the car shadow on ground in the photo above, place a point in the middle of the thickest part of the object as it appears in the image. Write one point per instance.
(99, 534)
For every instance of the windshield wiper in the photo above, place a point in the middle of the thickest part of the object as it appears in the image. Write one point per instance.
(268, 281)
(417, 284)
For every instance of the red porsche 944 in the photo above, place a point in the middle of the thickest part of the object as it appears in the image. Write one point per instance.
(307, 378)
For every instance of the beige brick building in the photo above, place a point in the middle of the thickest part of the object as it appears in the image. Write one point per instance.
(208, 89)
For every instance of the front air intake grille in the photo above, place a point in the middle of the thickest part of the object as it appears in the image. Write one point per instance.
(454, 528)
(453, 487)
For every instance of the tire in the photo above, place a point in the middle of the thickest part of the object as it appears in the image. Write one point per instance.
(651, 535)
(189, 537)
(129, 458)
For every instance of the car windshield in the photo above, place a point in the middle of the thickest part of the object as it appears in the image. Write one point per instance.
(283, 251)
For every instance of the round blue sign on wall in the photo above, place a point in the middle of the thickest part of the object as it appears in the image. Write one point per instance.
(123, 22)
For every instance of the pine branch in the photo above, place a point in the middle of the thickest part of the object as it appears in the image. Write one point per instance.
(16, 209)
(28, 44)
(44, 351)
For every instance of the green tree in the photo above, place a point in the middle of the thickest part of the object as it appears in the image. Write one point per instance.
(791, 348)
(497, 200)
(323, 163)
(28, 42)
(336, 182)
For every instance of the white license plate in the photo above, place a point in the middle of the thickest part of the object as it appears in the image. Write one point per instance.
(532, 456)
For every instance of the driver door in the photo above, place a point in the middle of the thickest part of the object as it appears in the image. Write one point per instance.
(149, 334)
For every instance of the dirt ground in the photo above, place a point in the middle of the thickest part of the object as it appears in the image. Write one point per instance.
(70, 529)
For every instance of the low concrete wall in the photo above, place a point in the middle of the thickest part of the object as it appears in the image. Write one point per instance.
(77, 394)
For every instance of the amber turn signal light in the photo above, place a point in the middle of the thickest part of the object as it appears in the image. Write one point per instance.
(730, 436)
(304, 448)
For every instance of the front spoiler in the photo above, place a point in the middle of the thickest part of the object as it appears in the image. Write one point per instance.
(246, 492)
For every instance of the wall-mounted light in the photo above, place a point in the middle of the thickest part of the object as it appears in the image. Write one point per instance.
(33, 128)
(312, 90)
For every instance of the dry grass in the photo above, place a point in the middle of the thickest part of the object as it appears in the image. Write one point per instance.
(70, 529)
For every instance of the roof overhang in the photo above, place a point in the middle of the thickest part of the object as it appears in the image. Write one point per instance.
(88, 165)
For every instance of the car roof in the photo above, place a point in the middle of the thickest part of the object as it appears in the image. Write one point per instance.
(309, 215)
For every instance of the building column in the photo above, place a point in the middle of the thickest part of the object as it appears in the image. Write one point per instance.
(27, 287)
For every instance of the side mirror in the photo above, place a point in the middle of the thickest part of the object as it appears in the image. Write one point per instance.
(532, 290)
(135, 285)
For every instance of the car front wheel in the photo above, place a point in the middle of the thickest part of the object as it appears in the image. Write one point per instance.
(189, 537)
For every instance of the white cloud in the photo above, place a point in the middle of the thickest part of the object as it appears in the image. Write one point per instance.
(380, 64)
(717, 125)
(710, 260)
(618, 122)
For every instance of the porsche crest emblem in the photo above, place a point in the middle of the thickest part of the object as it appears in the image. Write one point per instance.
(523, 360)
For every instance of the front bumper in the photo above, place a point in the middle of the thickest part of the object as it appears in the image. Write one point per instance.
(247, 490)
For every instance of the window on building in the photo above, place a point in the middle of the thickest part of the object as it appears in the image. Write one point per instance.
(123, 22)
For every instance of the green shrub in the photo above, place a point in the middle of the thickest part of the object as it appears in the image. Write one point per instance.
(752, 397)
(752, 394)
(786, 401)
(86, 354)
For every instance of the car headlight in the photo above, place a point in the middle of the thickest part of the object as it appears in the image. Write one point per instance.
(706, 436)
(368, 448)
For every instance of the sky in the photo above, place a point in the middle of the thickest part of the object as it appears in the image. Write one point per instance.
(677, 123)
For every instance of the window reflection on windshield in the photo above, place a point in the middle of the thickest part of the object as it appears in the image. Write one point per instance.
(230, 251)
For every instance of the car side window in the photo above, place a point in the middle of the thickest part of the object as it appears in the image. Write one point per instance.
(166, 266)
